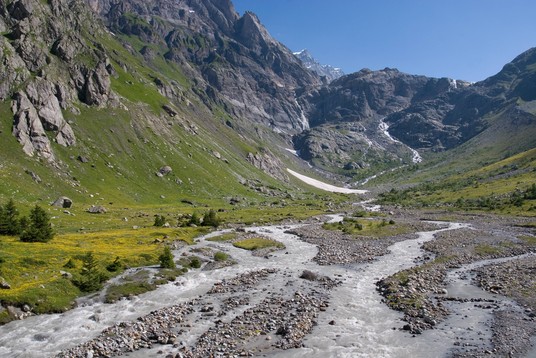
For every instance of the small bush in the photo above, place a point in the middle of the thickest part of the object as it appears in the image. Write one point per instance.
(115, 266)
(211, 219)
(220, 256)
(195, 262)
(159, 220)
(70, 264)
(91, 278)
(39, 228)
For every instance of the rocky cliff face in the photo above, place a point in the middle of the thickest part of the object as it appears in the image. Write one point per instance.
(40, 72)
(234, 61)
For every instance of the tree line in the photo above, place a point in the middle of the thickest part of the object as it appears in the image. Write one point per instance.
(35, 227)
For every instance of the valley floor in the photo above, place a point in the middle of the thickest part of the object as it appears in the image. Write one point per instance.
(471, 293)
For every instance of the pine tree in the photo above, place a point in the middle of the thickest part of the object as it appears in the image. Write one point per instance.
(39, 228)
(166, 259)
(90, 276)
(3, 221)
(12, 218)
(9, 219)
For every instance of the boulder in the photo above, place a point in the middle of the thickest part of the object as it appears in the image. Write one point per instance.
(165, 170)
(97, 209)
(4, 285)
(170, 111)
(36, 178)
(83, 159)
(63, 202)
(20, 9)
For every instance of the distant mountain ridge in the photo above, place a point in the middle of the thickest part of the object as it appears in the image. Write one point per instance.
(329, 72)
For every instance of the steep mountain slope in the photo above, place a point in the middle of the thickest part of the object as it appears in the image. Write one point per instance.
(232, 59)
(106, 115)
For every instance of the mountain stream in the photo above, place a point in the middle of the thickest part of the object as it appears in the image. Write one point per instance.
(356, 323)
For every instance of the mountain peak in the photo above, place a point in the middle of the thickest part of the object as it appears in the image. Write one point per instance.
(331, 73)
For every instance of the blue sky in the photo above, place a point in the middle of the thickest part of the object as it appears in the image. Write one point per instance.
(462, 39)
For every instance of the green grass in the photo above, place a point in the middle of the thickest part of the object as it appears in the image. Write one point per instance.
(370, 227)
(530, 240)
(225, 237)
(258, 243)
(487, 250)
(116, 292)
(28, 267)
(498, 186)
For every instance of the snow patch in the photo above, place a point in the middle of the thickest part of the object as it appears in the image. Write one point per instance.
(324, 186)
(295, 152)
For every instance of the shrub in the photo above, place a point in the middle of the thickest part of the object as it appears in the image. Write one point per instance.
(309, 275)
(220, 256)
(159, 220)
(194, 220)
(9, 219)
(115, 266)
(195, 262)
(166, 259)
(70, 264)
(211, 219)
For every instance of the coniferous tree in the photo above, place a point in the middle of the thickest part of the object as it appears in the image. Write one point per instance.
(166, 259)
(11, 215)
(3, 222)
(9, 219)
(39, 228)
(91, 277)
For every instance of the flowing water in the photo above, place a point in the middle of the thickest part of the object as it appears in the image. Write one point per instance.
(364, 326)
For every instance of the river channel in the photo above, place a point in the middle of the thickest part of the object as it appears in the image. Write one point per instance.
(356, 323)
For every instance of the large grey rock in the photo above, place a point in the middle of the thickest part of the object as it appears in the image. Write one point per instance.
(66, 47)
(28, 129)
(43, 95)
(268, 163)
(20, 9)
(4, 285)
(97, 88)
(63, 202)
(97, 209)
(165, 170)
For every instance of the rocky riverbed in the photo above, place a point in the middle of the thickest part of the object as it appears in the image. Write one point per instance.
(237, 324)
(304, 300)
